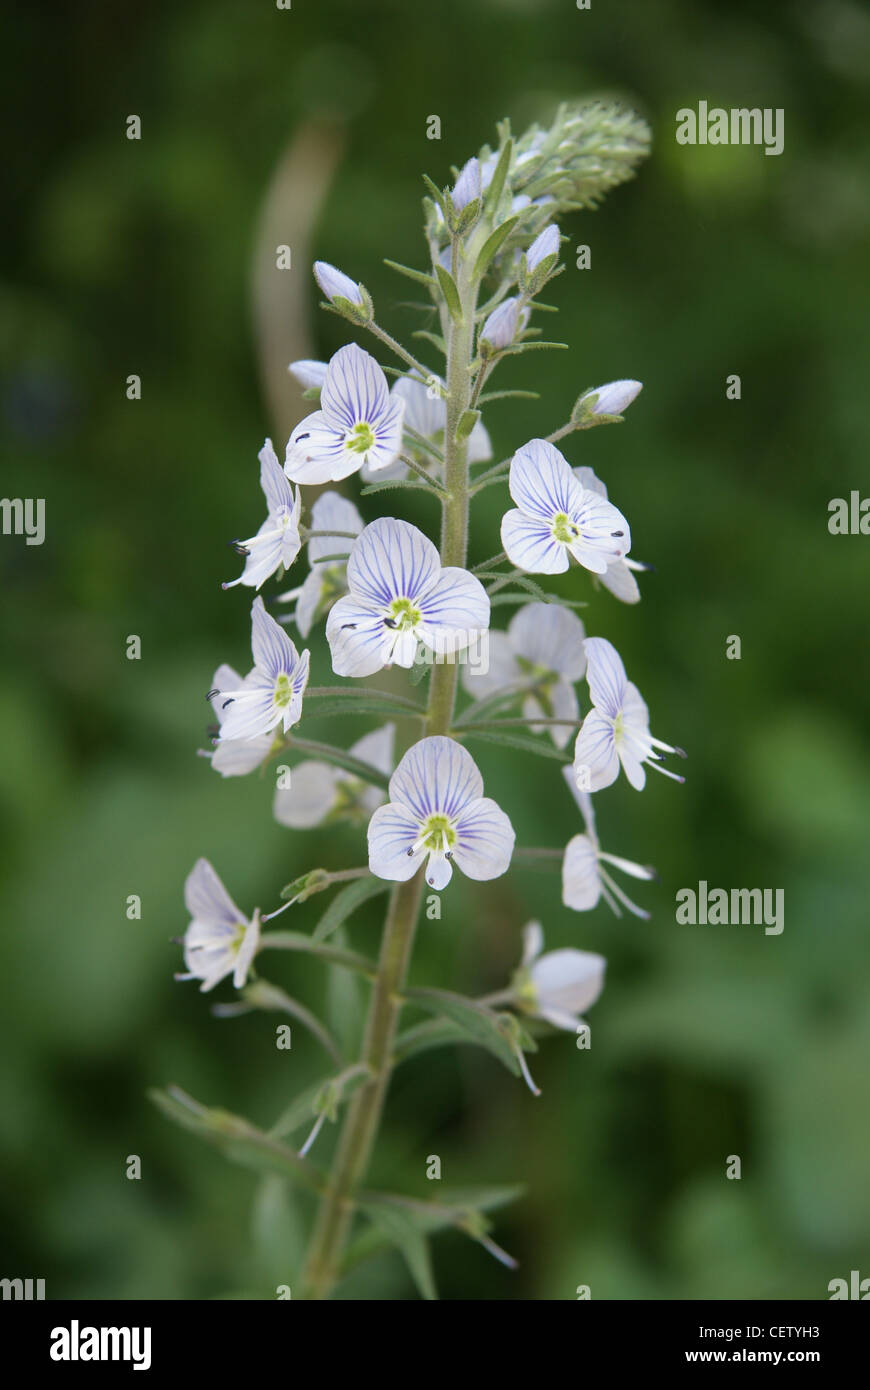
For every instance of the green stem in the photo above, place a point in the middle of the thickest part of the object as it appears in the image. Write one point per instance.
(332, 1224)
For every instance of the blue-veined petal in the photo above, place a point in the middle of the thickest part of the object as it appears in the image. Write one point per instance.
(436, 775)
(606, 676)
(455, 611)
(276, 489)
(354, 389)
(392, 559)
(273, 651)
(358, 641)
(485, 840)
(604, 533)
(541, 482)
(530, 545)
(393, 830)
(595, 754)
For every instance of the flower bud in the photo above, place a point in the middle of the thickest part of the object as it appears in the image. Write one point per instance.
(349, 297)
(503, 324)
(468, 185)
(608, 400)
(546, 244)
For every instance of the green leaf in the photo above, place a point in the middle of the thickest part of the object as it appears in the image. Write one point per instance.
(302, 1110)
(402, 1232)
(237, 1138)
(450, 292)
(521, 742)
(338, 757)
(346, 901)
(298, 941)
(492, 244)
(434, 192)
(434, 338)
(467, 421)
(481, 1024)
(497, 182)
(435, 1032)
(507, 395)
(364, 701)
(419, 275)
(527, 347)
(400, 484)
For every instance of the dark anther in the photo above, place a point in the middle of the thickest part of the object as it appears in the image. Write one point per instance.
(390, 622)
(211, 694)
(227, 702)
(410, 853)
(345, 626)
(617, 533)
(299, 438)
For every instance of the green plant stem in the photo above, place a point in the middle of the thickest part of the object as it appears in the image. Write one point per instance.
(333, 1221)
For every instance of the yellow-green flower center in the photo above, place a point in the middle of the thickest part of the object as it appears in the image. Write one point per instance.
(361, 438)
(564, 529)
(437, 833)
(403, 615)
(283, 691)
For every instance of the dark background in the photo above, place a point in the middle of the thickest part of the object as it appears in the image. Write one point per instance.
(157, 258)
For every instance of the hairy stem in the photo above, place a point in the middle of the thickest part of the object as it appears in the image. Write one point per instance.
(333, 1221)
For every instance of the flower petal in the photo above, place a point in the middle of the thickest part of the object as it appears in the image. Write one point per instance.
(530, 544)
(495, 667)
(273, 651)
(455, 611)
(436, 775)
(206, 898)
(550, 636)
(276, 489)
(309, 798)
(541, 482)
(392, 831)
(606, 675)
(485, 840)
(358, 640)
(604, 534)
(355, 389)
(392, 559)
(581, 884)
(595, 755)
(332, 512)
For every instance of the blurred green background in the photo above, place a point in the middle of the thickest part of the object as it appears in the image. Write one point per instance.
(156, 257)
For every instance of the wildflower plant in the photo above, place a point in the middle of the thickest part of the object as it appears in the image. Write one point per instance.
(392, 597)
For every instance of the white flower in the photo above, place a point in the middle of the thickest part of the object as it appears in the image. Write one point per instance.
(426, 414)
(545, 244)
(239, 756)
(326, 581)
(271, 693)
(542, 649)
(318, 790)
(584, 878)
(336, 285)
(613, 398)
(437, 813)
(358, 423)
(468, 185)
(219, 941)
(398, 596)
(277, 542)
(504, 323)
(617, 728)
(557, 517)
(619, 575)
(309, 374)
(559, 986)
